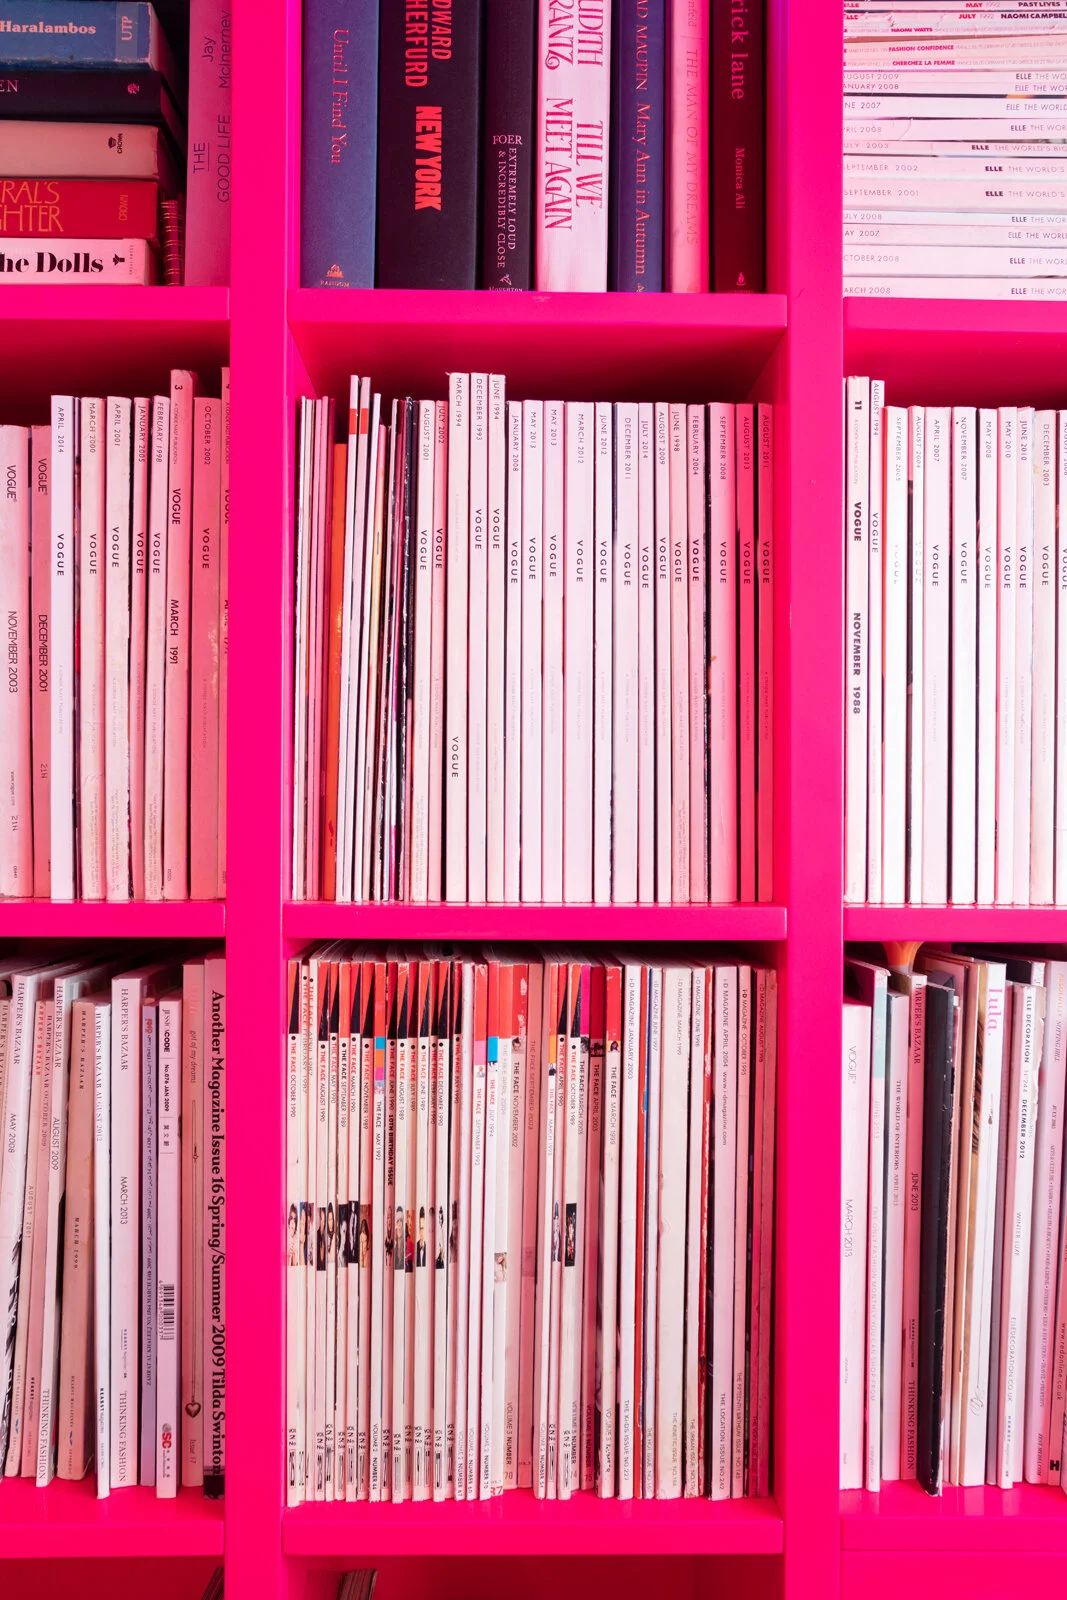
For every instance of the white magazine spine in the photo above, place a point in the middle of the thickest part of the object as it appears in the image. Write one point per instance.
(628, 1215)
(513, 687)
(91, 650)
(495, 647)
(102, 1247)
(533, 421)
(1018, 1218)
(661, 653)
(896, 1104)
(988, 585)
(875, 643)
(1006, 609)
(895, 708)
(169, 1308)
(1024, 650)
(936, 673)
(916, 567)
(624, 661)
(603, 577)
(857, 548)
(580, 546)
(155, 647)
(125, 1103)
(477, 635)
(975, 1409)
(646, 663)
(1043, 714)
(855, 1123)
(420, 769)
(720, 1375)
(552, 683)
(118, 592)
(456, 636)
(1044, 1238)
(965, 582)
(674, 1138)
(64, 586)
(1060, 851)
(722, 655)
(214, 1152)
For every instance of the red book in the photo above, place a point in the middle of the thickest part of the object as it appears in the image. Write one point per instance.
(78, 208)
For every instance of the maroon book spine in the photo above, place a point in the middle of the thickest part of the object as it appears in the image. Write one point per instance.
(737, 144)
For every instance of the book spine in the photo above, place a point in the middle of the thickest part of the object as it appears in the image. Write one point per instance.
(108, 33)
(665, 805)
(33, 260)
(39, 1434)
(530, 1214)
(16, 787)
(993, 109)
(1043, 717)
(745, 1084)
(192, 1232)
(957, 288)
(428, 150)
(987, 581)
(204, 663)
(126, 1110)
(875, 1242)
(334, 623)
(573, 88)
(456, 746)
(603, 582)
(975, 1386)
(138, 645)
(176, 692)
(420, 771)
(875, 664)
(118, 608)
(532, 686)
(513, 684)
(149, 1067)
(1024, 650)
(679, 656)
(102, 1222)
(496, 623)
(737, 180)
(671, 1352)
(168, 1310)
(63, 560)
(625, 685)
(26, 1371)
(895, 714)
(688, 40)
(722, 654)
(131, 95)
(337, 169)
(646, 654)
(41, 207)
(698, 656)
(224, 620)
(508, 144)
(720, 1381)
(936, 681)
(766, 1244)
(695, 1241)
(40, 655)
(552, 657)
(579, 540)
(746, 644)
(965, 583)
(765, 563)
(594, 1226)
(155, 648)
(1007, 601)
(1018, 1216)
(1038, 1444)
(495, 1125)
(857, 545)
(856, 1091)
(477, 636)
(91, 650)
(215, 1225)
(86, 150)
(629, 1097)
(916, 568)
(72, 1404)
(437, 651)
(1060, 851)
(210, 147)
(638, 121)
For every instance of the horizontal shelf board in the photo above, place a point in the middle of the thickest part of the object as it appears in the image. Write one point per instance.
(324, 919)
(966, 352)
(586, 346)
(1012, 924)
(102, 919)
(112, 302)
(517, 1524)
(67, 1520)
(1028, 1518)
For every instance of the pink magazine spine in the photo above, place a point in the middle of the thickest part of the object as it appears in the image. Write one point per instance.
(645, 638)
(936, 610)
(513, 657)
(664, 799)
(89, 635)
(722, 654)
(16, 821)
(745, 1065)
(477, 636)
(176, 691)
(192, 1229)
(766, 1241)
(552, 682)
(765, 653)
(707, 1199)
(533, 421)
(155, 648)
(214, 1154)
(603, 575)
(495, 646)
(437, 651)
(204, 663)
(1007, 465)
(573, 91)
(118, 415)
(698, 657)
(210, 149)
(169, 1312)
(624, 798)
(759, 1055)
(62, 672)
(40, 655)
(593, 1029)
(456, 547)
(138, 639)
(578, 755)
(224, 623)
(420, 777)
(681, 871)
(746, 660)
(687, 156)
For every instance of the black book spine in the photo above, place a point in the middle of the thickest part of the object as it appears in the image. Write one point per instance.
(429, 96)
(133, 94)
(737, 147)
(938, 1089)
(508, 144)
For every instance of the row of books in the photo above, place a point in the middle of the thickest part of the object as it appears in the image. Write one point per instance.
(530, 1230)
(93, 143)
(953, 1244)
(113, 1220)
(533, 650)
(956, 645)
(115, 712)
(523, 144)
(955, 138)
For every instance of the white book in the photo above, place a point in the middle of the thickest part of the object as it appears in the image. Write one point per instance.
(965, 583)
(624, 797)
(495, 1126)
(896, 1201)
(63, 566)
(420, 755)
(495, 646)
(721, 1373)
(681, 761)
(477, 633)
(296, 1239)
(513, 682)
(650, 1288)
(698, 655)
(722, 655)
(214, 1325)
(988, 587)
(461, 1326)
(872, 985)
(1038, 1442)
(169, 1305)
(91, 649)
(582, 542)
(533, 422)
(117, 586)
(916, 567)
(875, 633)
(1024, 650)
(1060, 836)
(895, 692)
(936, 668)
(675, 1088)
(662, 654)
(857, 548)
(603, 582)
(855, 1124)
(155, 647)
(1043, 708)
(1018, 1215)
(552, 643)
(1007, 607)
(627, 1258)
(102, 1220)
(17, 1400)
(456, 639)
(646, 663)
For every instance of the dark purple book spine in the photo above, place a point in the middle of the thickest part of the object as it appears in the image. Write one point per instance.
(737, 147)
(429, 148)
(508, 144)
(638, 114)
(110, 94)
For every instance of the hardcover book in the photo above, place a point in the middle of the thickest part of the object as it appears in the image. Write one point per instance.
(337, 198)
(637, 145)
(572, 147)
(210, 157)
(41, 207)
(106, 95)
(737, 135)
(85, 33)
(508, 144)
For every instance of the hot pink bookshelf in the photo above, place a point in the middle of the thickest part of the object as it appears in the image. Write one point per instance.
(790, 346)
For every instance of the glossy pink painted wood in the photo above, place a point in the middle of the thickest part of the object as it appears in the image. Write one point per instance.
(931, 1575)
(67, 1520)
(100, 919)
(1030, 1517)
(1009, 924)
(322, 919)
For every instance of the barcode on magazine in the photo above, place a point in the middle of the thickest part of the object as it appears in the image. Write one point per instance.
(166, 1310)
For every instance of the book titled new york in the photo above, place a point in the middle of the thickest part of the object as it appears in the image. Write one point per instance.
(637, 137)
(340, 126)
(40, 207)
(84, 33)
(737, 232)
(508, 144)
(429, 89)
(574, 45)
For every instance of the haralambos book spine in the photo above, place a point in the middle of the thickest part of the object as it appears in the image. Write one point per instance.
(637, 156)
(737, 73)
(429, 88)
(508, 144)
(340, 125)
(84, 33)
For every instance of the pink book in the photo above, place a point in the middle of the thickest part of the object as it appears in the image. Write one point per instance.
(224, 619)
(687, 159)
(698, 658)
(746, 660)
(527, 1292)
(533, 422)
(578, 656)
(495, 645)
(477, 636)
(155, 647)
(40, 647)
(119, 417)
(138, 637)
(456, 547)
(663, 801)
(625, 667)
(513, 656)
(571, 225)
(90, 649)
(437, 649)
(204, 666)
(680, 598)
(552, 656)
(604, 516)
(210, 151)
(16, 821)
(646, 657)
(62, 674)
(745, 1063)
(183, 386)
(765, 653)
(722, 655)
